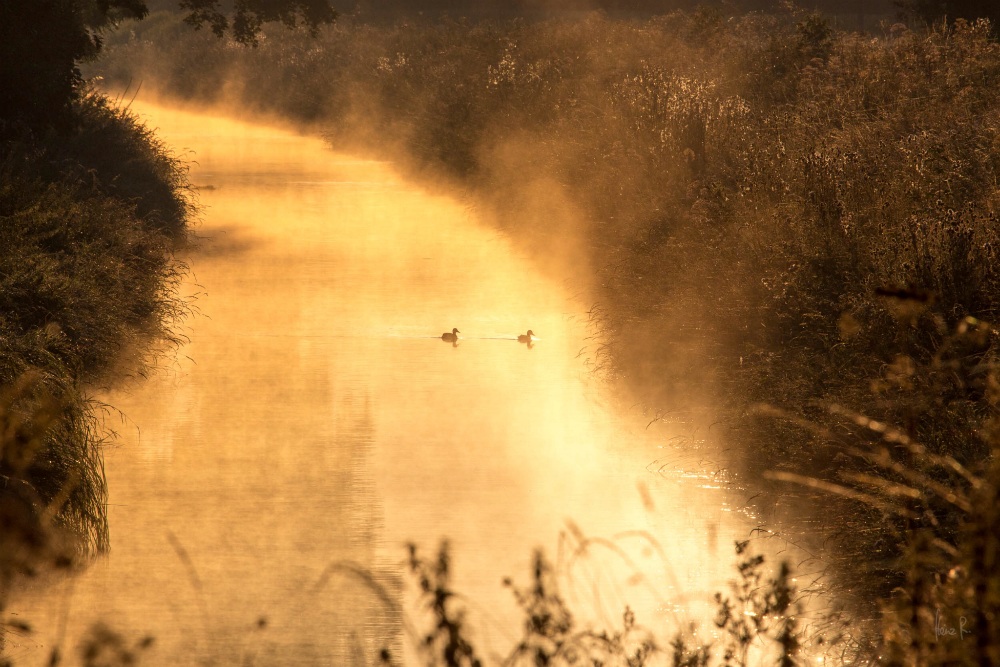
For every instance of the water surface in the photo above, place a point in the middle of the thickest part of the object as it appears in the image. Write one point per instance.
(315, 418)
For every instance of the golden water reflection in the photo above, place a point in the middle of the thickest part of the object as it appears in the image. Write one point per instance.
(316, 417)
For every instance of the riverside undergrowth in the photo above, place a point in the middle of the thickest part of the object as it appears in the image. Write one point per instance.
(90, 218)
(794, 216)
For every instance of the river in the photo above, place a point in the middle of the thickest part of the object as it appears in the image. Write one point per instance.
(315, 418)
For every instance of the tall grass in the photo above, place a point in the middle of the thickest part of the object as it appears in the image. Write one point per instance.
(759, 622)
(794, 216)
(89, 221)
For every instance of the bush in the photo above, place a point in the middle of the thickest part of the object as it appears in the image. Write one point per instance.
(88, 226)
(774, 208)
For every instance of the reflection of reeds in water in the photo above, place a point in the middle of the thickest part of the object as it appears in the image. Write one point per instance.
(332, 609)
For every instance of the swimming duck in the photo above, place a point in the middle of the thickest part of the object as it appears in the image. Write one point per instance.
(526, 338)
(451, 337)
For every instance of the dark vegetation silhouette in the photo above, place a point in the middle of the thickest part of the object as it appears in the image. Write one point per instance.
(42, 44)
(757, 622)
(932, 11)
(249, 16)
(802, 219)
(848, 12)
(90, 218)
(92, 209)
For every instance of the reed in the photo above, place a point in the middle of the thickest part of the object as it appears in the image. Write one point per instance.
(89, 221)
(793, 215)
(758, 623)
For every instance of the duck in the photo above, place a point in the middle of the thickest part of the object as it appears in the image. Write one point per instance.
(451, 337)
(526, 338)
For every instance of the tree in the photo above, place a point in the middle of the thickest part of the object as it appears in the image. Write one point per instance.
(249, 15)
(42, 43)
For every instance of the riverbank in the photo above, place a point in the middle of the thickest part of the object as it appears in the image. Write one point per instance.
(90, 218)
(772, 212)
(356, 432)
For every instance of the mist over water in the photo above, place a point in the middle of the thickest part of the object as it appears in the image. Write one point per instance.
(316, 417)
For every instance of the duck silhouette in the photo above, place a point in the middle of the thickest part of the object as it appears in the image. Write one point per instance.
(526, 338)
(451, 337)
